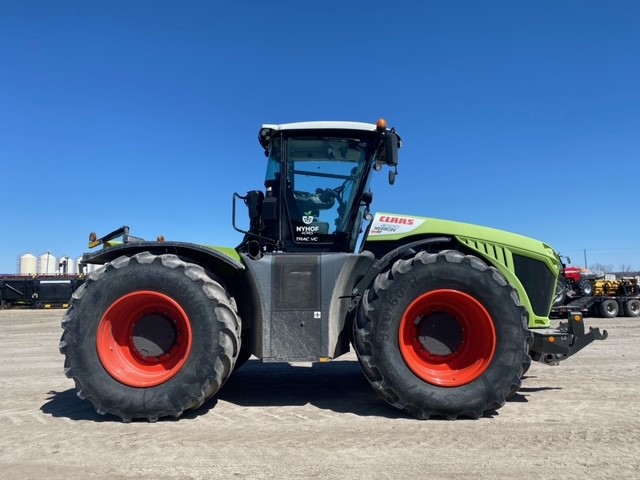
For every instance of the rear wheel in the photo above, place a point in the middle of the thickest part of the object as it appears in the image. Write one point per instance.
(632, 308)
(442, 335)
(609, 308)
(149, 336)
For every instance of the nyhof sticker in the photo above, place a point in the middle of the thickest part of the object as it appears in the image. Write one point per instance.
(384, 224)
(307, 233)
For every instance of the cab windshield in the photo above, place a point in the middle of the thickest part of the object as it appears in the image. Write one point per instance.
(322, 183)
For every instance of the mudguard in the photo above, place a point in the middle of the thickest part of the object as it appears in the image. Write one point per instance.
(221, 260)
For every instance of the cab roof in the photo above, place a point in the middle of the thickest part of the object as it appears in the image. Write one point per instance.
(368, 127)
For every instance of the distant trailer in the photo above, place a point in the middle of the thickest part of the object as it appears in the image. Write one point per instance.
(609, 306)
(604, 306)
(44, 291)
(582, 305)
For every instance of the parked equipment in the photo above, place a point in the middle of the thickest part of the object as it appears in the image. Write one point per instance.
(444, 317)
(598, 295)
(37, 291)
(579, 280)
(616, 296)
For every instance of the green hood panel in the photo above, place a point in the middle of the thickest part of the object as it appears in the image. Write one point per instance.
(390, 227)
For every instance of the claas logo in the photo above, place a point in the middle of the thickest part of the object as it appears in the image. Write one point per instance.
(397, 220)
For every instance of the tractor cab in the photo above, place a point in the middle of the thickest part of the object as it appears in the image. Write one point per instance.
(317, 185)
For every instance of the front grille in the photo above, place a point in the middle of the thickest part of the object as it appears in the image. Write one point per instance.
(538, 281)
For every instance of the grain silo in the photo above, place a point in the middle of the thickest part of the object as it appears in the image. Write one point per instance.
(67, 266)
(48, 264)
(28, 264)
(81, 268)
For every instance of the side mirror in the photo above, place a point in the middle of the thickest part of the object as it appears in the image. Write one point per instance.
(391, 149)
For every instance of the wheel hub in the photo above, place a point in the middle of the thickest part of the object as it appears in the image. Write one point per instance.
(439, 334)
(153, 336)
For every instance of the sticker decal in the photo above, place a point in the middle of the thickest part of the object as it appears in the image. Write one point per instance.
(307, 233)
(307, 218)
(385, 224)
(310, 230)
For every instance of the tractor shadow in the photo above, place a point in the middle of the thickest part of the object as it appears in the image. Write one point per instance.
(337, 386)
(523, 392)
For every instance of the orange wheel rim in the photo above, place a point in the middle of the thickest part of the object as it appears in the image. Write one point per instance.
(144, 339)
(447, 338)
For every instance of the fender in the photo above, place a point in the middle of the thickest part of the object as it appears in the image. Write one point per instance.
(404, 251)
(208, 257)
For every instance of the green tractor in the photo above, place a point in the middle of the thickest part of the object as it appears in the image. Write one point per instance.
(445, 317)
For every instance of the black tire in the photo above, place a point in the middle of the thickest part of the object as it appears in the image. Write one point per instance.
(632, 308)
(243, 356)
(586, 288)
(561, 294)
(184, 344)
(609, 308)
(422, 312)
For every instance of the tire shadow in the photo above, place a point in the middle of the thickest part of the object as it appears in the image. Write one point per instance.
(68, 405)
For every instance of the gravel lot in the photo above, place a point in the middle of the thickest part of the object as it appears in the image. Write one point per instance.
(580, 420)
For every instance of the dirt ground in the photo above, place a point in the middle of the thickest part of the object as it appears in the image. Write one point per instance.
(580, 420)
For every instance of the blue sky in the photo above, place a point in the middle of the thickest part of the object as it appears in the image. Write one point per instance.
(519, 115)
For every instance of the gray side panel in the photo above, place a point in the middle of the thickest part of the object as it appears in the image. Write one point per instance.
(305, 300)
(296, 320)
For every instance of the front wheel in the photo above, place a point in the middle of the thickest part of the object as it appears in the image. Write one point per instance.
(149, 336)
(442, 335)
